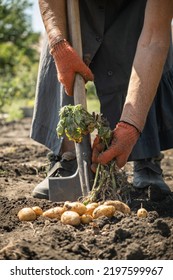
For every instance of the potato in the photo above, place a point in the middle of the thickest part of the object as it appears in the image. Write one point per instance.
(142, 213)
(77, 207)
(70, 218)
(119, 206)
(90, 208)
(54, 213)
(38, 211)
(103, 210)
(26, 214)
(86, 218)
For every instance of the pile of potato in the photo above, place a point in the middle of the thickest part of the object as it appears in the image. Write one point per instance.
(74, 213)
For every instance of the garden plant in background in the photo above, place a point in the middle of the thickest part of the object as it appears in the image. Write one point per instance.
(19, 52)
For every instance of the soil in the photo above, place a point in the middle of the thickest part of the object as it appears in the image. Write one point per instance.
(122, 237)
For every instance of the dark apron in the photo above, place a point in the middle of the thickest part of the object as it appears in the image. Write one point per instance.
(114, 28)
(49, 99)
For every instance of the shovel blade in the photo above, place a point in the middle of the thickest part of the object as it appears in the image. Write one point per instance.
(65, 188)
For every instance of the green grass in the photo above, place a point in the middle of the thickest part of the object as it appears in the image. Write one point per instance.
(14, 110)
(93, 105)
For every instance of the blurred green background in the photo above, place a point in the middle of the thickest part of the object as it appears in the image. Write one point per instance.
(20, 47)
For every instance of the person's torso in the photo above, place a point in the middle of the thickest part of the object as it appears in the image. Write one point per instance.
(110, 32)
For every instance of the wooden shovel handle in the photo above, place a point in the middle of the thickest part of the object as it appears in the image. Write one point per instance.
(83, 150)
(75, 38)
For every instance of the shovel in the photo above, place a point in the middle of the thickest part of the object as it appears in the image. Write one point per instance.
(79, 184)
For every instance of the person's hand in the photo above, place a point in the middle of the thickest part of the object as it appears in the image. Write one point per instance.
(124, 138)
(68, 64)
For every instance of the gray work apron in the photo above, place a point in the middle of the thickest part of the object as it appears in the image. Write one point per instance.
(110, 32)
(50, 97)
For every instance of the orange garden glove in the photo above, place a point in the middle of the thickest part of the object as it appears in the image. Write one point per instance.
(124, 138)
(68, 63)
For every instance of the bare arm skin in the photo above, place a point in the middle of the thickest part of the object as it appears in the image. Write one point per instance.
(53, 13)
(149, 61)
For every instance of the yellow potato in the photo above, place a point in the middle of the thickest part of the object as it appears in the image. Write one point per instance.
(90, 208)
(119, 206)
(70, 218)
(26, 214)
(38, 211)
(77, 207)
(86, 218)
(142, 213)
(54, 213)
(103, 210)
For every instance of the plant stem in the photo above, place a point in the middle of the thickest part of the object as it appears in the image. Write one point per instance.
(96, 176)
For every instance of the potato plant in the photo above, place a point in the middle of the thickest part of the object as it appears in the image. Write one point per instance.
(110, 182)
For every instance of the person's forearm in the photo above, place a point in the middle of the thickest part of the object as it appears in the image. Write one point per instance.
(53, 13)
(145, 76)
(148, 62)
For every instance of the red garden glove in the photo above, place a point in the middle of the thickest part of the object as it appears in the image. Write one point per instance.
(68, 63)
(125, 137)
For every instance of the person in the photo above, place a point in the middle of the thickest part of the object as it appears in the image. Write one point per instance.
(127, 52)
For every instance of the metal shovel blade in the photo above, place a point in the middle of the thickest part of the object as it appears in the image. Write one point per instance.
(65, 188)
(77, 185)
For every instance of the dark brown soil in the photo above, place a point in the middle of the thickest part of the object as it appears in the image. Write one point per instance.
(23, 165)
